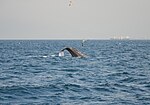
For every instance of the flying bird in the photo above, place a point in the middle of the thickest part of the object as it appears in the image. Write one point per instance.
(70, 3)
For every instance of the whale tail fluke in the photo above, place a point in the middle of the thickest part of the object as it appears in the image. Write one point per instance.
(73, 51)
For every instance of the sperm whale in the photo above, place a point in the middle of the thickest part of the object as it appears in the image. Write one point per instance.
(73, 51)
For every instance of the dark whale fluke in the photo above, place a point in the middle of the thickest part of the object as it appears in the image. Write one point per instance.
(74, 52)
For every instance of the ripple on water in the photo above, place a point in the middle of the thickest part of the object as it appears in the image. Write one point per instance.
(115, 72)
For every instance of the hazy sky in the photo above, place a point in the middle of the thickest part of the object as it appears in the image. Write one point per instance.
(53, 19)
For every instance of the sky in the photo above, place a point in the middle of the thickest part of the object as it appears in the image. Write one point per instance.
(85, 19)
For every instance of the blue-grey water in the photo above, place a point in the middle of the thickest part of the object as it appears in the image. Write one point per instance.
(114, 73)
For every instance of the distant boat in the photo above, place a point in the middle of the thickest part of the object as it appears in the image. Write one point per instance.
(120, 38)
(83, 42)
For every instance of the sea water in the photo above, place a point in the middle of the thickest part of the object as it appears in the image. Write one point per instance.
(113, 73)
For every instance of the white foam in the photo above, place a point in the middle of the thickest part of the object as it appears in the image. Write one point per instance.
(53, 55)
(44, 56)
(61, 53)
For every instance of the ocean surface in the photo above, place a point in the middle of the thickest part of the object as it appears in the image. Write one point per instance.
(113, 73)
